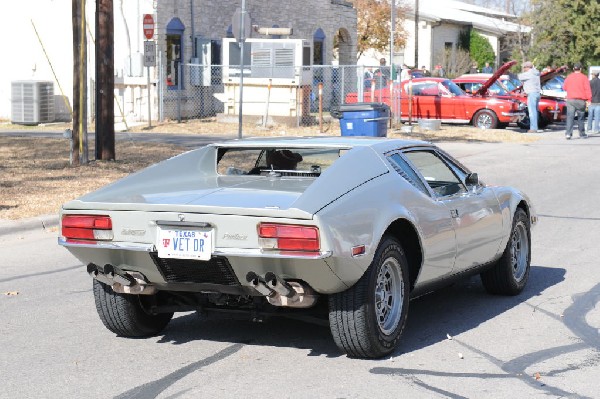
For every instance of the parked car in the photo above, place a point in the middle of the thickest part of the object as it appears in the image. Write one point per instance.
(346, 227)
(550, 109)
(440, 98)
(554, 87)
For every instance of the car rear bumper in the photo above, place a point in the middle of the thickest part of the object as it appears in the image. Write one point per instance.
(225, 272)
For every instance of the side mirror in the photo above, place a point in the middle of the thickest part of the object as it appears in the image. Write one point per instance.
(472, 180)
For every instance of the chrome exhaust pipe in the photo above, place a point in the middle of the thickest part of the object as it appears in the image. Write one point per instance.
(279, 285)
(293, 294)
(121, 282)
(259, 284)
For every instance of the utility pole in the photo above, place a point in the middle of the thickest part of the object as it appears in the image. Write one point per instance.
(416, 33)
(105, 81)
(392, 32)
(79, 130)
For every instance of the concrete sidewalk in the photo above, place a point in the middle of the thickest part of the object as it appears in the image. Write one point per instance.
(43, 222)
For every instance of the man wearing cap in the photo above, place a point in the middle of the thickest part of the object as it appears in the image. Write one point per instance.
(579, 93)
(532, 87)
(594, 107)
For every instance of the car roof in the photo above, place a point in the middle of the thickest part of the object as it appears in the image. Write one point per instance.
(343, 142)
(427, 79)
(475, 76)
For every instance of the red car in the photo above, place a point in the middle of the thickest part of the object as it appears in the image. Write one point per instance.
(440, 98)
(550, 109)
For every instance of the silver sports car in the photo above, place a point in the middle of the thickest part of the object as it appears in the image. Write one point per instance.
(344, 228)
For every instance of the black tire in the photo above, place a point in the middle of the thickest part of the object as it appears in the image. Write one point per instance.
(510, 273)
(525, 123)
(485, 119)
(360, 325)
(124, 314)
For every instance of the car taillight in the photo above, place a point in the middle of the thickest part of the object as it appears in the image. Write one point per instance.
(289, 237)
(87, 227)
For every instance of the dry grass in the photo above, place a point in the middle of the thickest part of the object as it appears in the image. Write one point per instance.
(35, 176)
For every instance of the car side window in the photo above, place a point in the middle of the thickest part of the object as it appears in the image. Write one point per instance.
(406, 171)
(423, 89)
(436, 172)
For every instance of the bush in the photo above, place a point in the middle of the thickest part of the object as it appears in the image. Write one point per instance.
(481, 50)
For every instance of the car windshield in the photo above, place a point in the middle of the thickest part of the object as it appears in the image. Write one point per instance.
(304, 162)
(453, 88)
(556, 83)
(497, 89)
(511, 84)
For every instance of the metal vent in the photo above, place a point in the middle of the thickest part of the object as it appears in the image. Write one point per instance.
(217, 270)
(32, 102)
(284, 57)
(261, 58)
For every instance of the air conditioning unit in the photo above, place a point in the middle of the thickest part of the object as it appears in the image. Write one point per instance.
(32, 102)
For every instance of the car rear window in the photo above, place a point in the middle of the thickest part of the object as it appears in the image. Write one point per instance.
(302, 162)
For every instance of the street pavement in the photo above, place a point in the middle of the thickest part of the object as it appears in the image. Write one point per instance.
(459, 342)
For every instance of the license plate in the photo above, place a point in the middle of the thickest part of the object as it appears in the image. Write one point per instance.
(185, 244)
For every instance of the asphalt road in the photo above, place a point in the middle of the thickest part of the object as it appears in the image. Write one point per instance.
(544, 343)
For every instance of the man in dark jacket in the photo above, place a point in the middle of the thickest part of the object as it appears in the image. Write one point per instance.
(594, 107)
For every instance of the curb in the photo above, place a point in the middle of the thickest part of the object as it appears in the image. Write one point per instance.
(36, 223)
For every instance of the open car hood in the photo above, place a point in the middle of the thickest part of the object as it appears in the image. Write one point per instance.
(484, 87)
(544, 77)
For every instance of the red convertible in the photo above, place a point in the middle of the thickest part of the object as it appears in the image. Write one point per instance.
(440, 98)
(550, 109)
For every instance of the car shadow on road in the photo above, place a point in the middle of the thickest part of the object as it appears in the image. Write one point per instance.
(465, 305)
(452, 310)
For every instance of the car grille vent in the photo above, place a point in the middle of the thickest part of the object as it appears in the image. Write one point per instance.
(217, 270)
(265, 172)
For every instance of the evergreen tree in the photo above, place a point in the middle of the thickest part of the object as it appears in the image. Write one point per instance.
(564, 32)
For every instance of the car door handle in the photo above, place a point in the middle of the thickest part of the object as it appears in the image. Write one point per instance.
(454, 213)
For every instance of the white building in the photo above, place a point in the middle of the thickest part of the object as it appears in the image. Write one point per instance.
(180, 24)
(48, 55)
(440, 23)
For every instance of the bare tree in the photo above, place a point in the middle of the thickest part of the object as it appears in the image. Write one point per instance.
(373, 24)
(454, 61)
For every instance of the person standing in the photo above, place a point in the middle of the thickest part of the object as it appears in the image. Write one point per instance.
(382, 74)
(487, 68)
(474, 68)
(368, 78)
(531, 85)
(405, 73)
(594, 107)
(579, 93)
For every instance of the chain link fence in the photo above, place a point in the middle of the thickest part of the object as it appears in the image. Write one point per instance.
(296, 96)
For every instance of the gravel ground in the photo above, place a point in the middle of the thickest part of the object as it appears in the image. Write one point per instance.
(35, 175)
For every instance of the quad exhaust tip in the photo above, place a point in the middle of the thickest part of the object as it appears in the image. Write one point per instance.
(283, 293)
(120, 281)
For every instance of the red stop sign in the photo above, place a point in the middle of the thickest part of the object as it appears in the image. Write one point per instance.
(148, 25)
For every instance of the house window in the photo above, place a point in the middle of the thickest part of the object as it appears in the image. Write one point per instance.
(448, 45)
(318, 47)
(175, 30)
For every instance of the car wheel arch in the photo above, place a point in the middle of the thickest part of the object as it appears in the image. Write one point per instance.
(406, 234)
